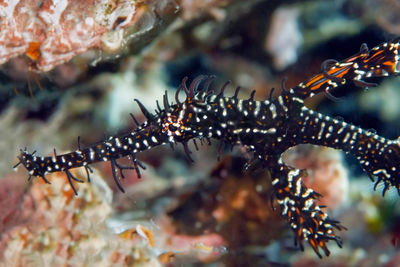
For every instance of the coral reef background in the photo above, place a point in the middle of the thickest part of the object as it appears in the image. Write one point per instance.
(73, 68)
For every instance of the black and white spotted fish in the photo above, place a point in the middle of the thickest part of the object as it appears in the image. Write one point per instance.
(265, 127)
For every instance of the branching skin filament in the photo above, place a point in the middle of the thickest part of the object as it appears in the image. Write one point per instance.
(266, 128)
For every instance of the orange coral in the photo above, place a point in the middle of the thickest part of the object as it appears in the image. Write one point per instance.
(65, 230)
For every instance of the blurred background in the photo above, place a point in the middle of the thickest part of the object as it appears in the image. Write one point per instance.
(73, 68)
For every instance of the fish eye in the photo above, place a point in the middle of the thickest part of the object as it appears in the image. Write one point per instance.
(172, 125)
(172, 128)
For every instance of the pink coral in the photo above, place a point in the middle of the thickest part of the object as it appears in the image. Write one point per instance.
(53, 32)
(61, 229)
